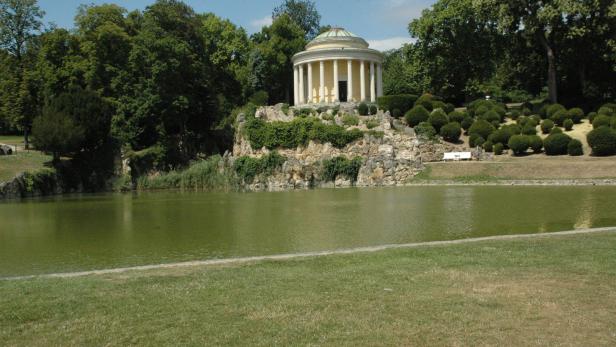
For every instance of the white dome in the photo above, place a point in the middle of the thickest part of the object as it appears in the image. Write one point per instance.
(337, 37)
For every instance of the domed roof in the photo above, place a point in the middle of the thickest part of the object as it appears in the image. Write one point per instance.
(337, 37)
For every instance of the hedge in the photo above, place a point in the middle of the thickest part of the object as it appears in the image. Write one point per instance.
(602, 141)
(401, 102)
(568, 124)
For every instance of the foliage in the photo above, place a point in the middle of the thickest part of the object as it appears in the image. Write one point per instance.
(574, 148)
(488, 146)
(259, 98)
(518, 144)
(247, 168)
(467, 122)
(402, 102)
(425, 130)
(57, 133)
(556, 144)
(546, 126)
(503, 134)
(372, 110)
(591, 116)
(304, 13)
(416, 115)
(576, 114)
(476, 140)
(341, 166)
(529, 129)
(553, 109)
(456, 116)
(535, 143)
(362, 109)
(397, 113)
(201, 175)
(297, 133)
(350, 120)
(481, 128)
(568, 124)
(427, 101)
(602, 140)
(560, 116)
(491, 116)
(601, 120)
(372, 123)
(438, 118)
(498, 148)
(451, 132)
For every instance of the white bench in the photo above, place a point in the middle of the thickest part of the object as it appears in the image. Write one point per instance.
(457, 156)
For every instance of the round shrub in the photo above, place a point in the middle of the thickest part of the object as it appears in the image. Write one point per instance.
(449, 107)
(515, 114)
(518, 144)
(559, 117)
(602, 141)
(396, 113)
(481, 128)
(456, 116)
(552, 109)
(416, 115)
(425, 130)
(503, 134)
(526, 111)
(476, 140)
(488, 146)
(466, 123)
(535, 143)
(451, 131)
(498, 148)
(543, 111)
(568, 124)
(576, 114)
(536, 118)
(608, 110)
(556, 130)
(546, 126)
(372, 109)
(481, 110)
(426, 101)
(556, 144)
(439, 104)
(601, 120)
(438, 118)
(522, 120)
(591, 116)
(574, 148)
(491, 116)
(495, 124)
(362, 108)
(529, 129)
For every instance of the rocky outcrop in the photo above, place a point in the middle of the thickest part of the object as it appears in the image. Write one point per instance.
(41, 183)
(391, 156)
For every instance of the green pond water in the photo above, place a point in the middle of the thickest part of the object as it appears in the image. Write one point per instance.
(111, 230)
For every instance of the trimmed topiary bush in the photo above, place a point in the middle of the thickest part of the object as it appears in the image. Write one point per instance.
(362, 109)
(498, 149)
(491, 116)
(560, 116)
(602, 140)
(503, 134)
(546, 126)
(396, 113)
(515, 114)
(600, 121)
(426, 100)
(402, 102)
(425, 130)
(456, 116)
(372, 109)
(591, 116)
(438, 118)
(576, 114)
(451, 132)
(476, 140)
(552, 109)
(556, 130)
(481, 128)
(574, 148)
(466, 123)
(608, 110)
(529, 129)
(416, 115)
(535, 143)
(518, 144)
(556, 144)
(488, 146)
(568, 124)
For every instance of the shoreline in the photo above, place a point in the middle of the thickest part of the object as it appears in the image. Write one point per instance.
(304, 255)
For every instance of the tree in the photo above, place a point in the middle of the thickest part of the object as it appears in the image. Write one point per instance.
(271, 65)
(304, 13)
(403, 73)
(56, 133)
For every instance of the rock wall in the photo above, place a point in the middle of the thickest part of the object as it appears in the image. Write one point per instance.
(390, 160)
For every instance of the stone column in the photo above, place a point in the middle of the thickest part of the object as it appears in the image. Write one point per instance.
(349, 80)
(379, 79)
(309, 101)
(362, 81)
(336, 91)
(302, 93)
(295, 85)
(372, 83)
(322, 81)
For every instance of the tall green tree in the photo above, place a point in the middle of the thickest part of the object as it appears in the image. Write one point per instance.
(304, 13)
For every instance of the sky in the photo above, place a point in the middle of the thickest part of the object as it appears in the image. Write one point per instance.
(383, 23)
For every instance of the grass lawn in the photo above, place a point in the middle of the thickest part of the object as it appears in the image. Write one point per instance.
(11, 165)
(13, 140)
(543, 291)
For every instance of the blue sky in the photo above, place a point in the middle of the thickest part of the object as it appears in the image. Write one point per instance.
(382, 22)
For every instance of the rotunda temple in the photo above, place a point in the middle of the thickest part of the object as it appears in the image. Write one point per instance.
(337, 66)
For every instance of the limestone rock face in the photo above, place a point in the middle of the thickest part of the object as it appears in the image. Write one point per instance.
(393, 159)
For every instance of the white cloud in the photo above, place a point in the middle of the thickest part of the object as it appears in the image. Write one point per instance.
(389, 43)
(261, 22)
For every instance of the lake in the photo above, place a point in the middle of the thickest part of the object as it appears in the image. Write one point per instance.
(76, 233)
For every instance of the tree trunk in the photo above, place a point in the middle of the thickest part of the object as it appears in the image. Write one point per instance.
(549, 51)
(26, 141)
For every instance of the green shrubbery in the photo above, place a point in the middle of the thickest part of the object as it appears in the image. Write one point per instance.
(451, 132)
(602, 140)
(488, 146)
(438, 118)
(481, 128)
(552, 109)
(456, 116)
(546, 126)
(559, 117)
(425, 130)
(568, 124)
(574, 148)
(247, 168)
(476, 140)
(402, 102)
(535, 143)
(498, 149)
(297, 133)
(491, 116)
(529, 129)
(372, 123)
(416, 115)
(372, 109)
(503, 134)
(466, 123)
(576, 114)
(518, 144)
(341, 166)
(601, 120)
(201, 175)
(556, 144)
(427, 101)
(363, 109)
(350, 120)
